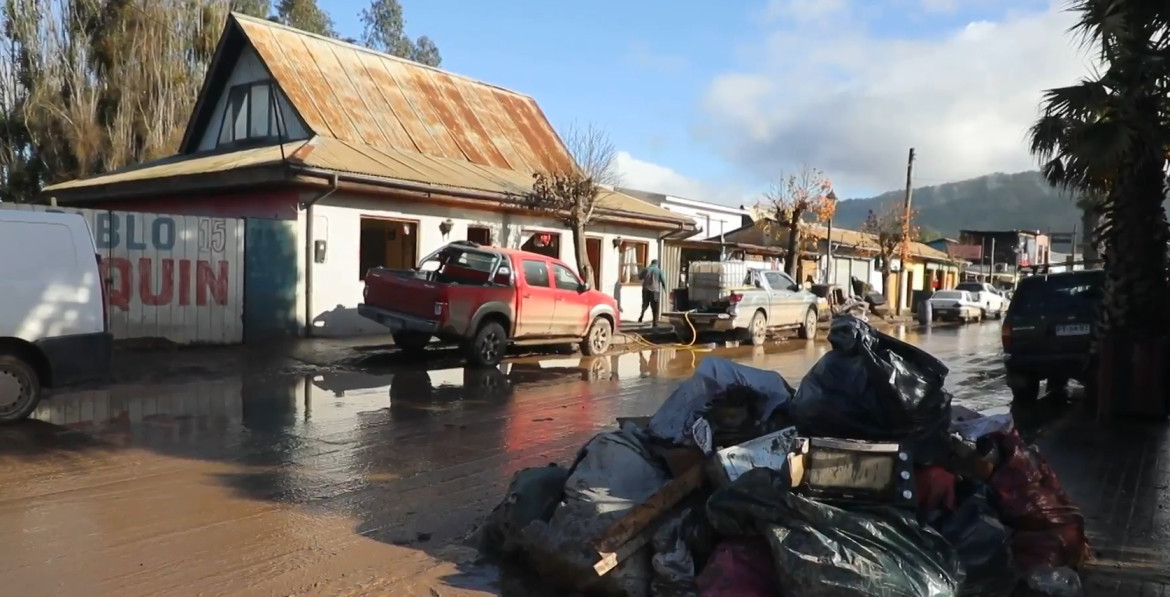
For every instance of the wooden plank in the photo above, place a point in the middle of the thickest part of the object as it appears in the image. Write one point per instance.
(612, 545)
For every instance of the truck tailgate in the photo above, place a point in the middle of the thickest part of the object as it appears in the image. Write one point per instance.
(401, 292)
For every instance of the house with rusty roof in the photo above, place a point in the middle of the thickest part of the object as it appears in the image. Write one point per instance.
(341, 158)
(856, 256)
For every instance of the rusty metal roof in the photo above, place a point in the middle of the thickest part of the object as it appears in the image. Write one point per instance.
(326, 153)
(757, 235)
(185, 165)
(360, 96)
(336, 155)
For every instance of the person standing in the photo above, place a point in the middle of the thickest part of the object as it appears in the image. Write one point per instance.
(653, 281)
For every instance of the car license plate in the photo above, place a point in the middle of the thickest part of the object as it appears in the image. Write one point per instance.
(1079, 329)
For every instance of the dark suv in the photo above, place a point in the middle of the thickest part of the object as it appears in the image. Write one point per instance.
(1048, 329)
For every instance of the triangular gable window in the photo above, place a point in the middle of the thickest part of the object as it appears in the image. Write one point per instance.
(252, 114)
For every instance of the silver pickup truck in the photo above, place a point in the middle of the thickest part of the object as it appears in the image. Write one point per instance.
(745, 299)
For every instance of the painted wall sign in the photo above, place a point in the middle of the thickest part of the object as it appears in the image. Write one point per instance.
(169, 276)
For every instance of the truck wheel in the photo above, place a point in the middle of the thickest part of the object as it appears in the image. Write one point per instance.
(808, 329)
(488, 346)
(20, 389)
(598, 338)
(758, 329)
(411, 343)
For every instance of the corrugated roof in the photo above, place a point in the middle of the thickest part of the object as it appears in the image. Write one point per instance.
(333, 154)
(364, 97)
(392, 165)
(185, 165)
(756, 235)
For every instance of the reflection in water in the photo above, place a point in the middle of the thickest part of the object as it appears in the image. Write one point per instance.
(149, 413)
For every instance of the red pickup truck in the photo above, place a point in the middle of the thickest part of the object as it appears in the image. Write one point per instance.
(487, 298)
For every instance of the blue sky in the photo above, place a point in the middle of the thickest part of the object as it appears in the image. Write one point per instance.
(724, 98)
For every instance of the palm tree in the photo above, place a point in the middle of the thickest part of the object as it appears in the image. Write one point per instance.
(1109, 135)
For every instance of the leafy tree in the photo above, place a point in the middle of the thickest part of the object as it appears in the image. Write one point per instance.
(252, 8)
(891, 235)
(789, 206)
(306, 16)
(571, 195)
(1109, 135)
(385, 31)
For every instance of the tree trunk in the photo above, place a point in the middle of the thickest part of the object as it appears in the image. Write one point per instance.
(791, 255)
(584, 268)
(1134, 317)
(1090, 218)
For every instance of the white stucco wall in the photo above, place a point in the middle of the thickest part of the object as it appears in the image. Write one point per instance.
(712, 220)
(249, 69)
(337, 289)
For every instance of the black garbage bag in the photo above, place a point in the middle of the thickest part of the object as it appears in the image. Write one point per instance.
(983, 543)
(674, 566)
(736, 399)
(533, 494)
(872, 386)
(613, 473)
(824, 551)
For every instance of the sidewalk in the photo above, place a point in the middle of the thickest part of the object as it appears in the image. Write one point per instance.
(1120, 477)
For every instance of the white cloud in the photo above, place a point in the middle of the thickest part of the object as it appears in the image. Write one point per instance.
(648, 176)
(852, 102)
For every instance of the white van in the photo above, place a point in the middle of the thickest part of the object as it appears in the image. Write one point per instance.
(54, 329)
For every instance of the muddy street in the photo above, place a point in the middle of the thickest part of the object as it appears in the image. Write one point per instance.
(338, 483)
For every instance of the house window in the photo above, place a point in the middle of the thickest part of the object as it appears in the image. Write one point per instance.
(480, 235)
(251, 113)
(544, 243)
(633, 260)
(386, 243)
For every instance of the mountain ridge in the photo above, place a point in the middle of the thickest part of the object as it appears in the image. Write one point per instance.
(997, 201)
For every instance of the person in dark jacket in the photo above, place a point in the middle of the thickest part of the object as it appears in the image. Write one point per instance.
(653, 281)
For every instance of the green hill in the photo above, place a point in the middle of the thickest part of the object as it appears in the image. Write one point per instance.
(993, 202)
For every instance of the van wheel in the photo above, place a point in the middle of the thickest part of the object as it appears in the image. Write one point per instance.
(487, 348)
(411, 343)
(808, 329)
(20, 389)
(599, 337)
(758, 329)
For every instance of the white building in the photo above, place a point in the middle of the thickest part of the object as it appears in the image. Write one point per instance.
(338, 158)
(711, 219)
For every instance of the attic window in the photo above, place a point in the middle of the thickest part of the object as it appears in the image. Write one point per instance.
(251, 113)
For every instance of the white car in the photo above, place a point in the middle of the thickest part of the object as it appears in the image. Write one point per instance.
(53, 325)
(992, 301)
(955, 304)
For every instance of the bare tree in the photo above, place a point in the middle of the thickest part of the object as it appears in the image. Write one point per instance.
(791, 205)
(571, 194)
(889, 233)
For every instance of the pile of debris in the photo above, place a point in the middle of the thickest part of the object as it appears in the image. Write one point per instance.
(863, 482)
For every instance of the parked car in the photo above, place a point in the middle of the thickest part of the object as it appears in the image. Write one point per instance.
(992, 301)
(739, 298)
(1048, 330)
(54, 329)
(487, 298)
(955, 304)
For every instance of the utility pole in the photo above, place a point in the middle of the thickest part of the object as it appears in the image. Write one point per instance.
(904, 282)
